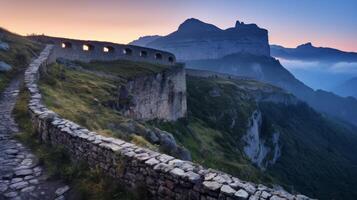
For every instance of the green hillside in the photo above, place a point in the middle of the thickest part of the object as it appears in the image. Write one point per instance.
(316, 159)
(317, 154)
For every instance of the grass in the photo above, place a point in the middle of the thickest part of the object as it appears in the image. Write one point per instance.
(90, 101)
(18, 56)
(87, 183)
(123, 68)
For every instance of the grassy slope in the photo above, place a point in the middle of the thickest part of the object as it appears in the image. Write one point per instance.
(317, 154)
(87, 99)
(19, 55)
(208, 132)
(86, 183)
(123, 68)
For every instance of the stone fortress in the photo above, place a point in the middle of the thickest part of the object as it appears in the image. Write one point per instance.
(158, 96)
(85, 50)
(163, 176)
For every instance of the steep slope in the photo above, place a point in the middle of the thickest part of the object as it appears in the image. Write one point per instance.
(348, 88)
(195, 39)
(234, 122)
(309, 52)
(269, 70)
(15, 54)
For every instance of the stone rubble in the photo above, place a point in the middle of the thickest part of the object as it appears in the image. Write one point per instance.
(163, 176)
(21, 177)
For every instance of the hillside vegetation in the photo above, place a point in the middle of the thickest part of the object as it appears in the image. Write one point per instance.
(18, 55)
(317, 154)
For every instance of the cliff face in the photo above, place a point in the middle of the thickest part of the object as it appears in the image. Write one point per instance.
(158, 96)
(198, 40)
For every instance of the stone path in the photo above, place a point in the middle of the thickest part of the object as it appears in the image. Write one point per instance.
(20, 175)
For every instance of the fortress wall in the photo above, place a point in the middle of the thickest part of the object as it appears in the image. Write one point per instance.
(163, 176)
(73, 50)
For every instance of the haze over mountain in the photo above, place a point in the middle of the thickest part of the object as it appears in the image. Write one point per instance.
(347, 88)
(318, 67)
(311, 53)
(204, 46)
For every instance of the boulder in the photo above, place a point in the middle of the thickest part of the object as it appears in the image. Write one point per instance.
(4, 67)
(4, 46)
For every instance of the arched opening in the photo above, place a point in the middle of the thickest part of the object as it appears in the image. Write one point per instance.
(171, 59)
(108, 49)
(127, 51)
(66, 45)
(87, 47)
(143, 53)
(158, 56)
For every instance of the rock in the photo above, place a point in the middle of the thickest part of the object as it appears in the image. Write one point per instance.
(28, 189)
(10, 194)
(178, 172)
(3, 187)
(227, 190)
(4, 67)
(265, 195)
(4, 46)
(212, 185)
(60, 191)
(23, 172)
(11, 151)
(152, 161)
(193, 177)
(19, 185)
(241, 194)
(16, 180)
(276, 198)
(34, 181)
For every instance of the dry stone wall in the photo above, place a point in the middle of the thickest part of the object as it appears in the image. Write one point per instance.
(163, 176)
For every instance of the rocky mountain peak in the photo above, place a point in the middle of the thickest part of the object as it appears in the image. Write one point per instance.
(306, 45)
(195, 25)
(240, 25)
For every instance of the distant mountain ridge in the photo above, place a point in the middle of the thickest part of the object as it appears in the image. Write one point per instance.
(348, 88)
(244, 51)
(195, 39)
(309, 52)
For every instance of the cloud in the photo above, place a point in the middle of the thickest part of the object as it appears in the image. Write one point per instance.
(344, 67)
(348, 68)
(299, 64)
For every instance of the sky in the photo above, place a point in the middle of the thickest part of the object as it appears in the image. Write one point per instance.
(329, 23)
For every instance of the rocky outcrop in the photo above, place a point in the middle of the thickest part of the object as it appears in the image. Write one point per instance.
(256, 148)
(198, 40)
(4, 67)
(4, 46)
(163, 176)
(157, 96)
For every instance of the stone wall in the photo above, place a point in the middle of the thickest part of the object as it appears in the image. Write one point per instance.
(163, 176)
(73, 50)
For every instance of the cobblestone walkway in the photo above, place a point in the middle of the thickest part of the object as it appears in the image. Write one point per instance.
(20, 175)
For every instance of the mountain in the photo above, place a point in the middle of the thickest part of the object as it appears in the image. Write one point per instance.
(311, 53)
(195, 39)
(268, 69)
(260, 132)
(348, 88)
(244, 51)
(143, 41)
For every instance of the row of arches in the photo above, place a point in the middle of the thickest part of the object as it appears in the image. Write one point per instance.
(109, 49)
